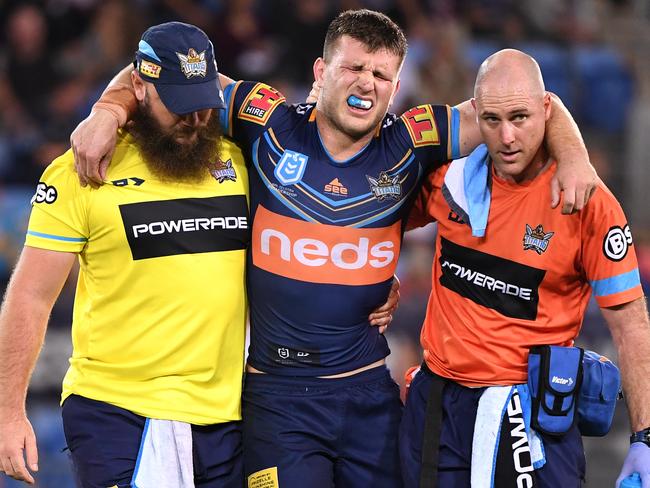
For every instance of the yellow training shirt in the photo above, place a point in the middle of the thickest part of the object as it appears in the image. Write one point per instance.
(160, 306)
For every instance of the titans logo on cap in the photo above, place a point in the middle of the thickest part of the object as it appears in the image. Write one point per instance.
(194, 64)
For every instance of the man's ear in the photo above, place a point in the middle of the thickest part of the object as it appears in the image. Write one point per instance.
(319, 69)
(139, 87)
(392, 97)
(547, 106)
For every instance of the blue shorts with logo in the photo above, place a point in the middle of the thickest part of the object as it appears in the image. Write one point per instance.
(104, 442)
(565, 459)
(320, 433)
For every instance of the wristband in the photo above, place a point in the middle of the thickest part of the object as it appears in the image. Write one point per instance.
(120, 101)
(641, 436)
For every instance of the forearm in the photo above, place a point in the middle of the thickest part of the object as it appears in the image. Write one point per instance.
(119, 97)
(563, 138)
(23, 320)
(631, 333)
(22, 329)
(225, 81)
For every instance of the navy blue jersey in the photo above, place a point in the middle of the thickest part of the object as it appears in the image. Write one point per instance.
(326, 234)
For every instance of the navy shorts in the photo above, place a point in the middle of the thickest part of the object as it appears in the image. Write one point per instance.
(320, 433)
(104, 442)
(565, 459)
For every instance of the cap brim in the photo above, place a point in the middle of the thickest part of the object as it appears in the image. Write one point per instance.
(187, 98)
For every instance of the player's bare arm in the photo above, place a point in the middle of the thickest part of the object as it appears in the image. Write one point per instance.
(573, 184)
(575, 179)
(575, 176)
(93, 140)
(630, 330)
(23, 320)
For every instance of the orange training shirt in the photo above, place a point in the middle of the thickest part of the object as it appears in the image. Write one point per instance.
(526, 282)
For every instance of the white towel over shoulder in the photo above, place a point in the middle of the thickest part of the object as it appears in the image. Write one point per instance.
(165, 458)
(467, 189)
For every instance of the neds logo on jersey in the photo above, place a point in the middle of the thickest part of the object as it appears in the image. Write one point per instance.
(322, 253)
(186, 226)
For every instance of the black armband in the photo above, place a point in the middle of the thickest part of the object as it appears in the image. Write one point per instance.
(641, 436)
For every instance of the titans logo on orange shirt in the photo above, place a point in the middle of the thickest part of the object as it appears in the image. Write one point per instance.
(260, 103)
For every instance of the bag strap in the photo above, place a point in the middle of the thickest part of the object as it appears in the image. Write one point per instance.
(432, 429)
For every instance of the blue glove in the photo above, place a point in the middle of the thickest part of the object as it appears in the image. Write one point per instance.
(637, 460)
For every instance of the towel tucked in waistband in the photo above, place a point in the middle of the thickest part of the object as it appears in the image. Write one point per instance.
(165, 457)
(505, 450)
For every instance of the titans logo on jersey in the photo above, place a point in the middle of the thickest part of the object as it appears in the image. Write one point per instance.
(326, 234)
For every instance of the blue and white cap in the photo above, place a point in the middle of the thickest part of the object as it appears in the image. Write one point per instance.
(179, 59)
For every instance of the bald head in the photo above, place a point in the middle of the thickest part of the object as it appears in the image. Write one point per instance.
(512, 108)
(509, 70)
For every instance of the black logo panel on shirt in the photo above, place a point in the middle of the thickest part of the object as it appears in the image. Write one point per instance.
(510, 288)
(186, 226)
(289, 356)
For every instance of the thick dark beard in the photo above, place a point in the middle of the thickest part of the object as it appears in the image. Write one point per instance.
(170, 160)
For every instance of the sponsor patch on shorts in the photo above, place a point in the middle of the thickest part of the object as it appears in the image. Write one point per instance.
(266, 478)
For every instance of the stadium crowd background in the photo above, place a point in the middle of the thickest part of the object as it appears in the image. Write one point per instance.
(57, 55)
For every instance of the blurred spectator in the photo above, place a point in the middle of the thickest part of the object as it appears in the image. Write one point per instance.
(442, 75)
(27, 80)
(301, 25)
(243, 47)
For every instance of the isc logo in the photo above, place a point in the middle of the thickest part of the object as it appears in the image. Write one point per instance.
(322, 253)
(44, 194)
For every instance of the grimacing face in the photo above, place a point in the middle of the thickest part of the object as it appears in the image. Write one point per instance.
(352, 70)
(512, 121)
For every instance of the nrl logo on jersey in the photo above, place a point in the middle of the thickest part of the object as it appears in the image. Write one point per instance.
(223, 171)
(193, 64)
(536, 239)
(385, 186)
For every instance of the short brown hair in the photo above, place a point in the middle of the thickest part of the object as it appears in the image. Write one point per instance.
(374, 29)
